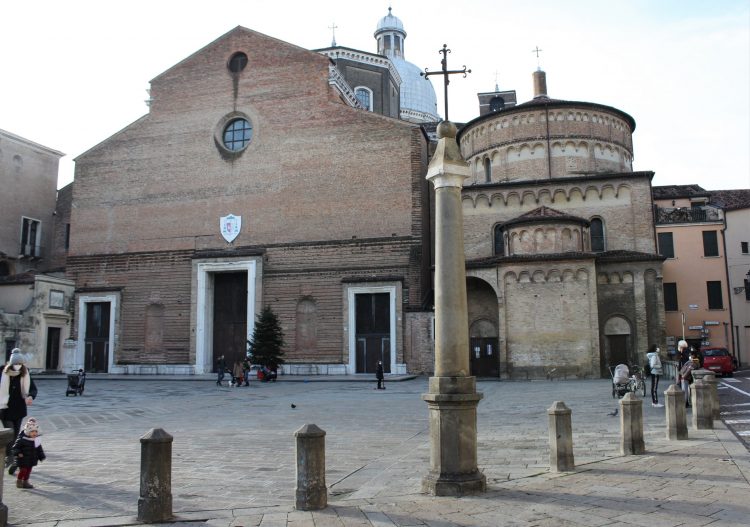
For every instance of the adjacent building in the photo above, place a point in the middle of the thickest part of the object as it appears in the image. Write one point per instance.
(35, 298)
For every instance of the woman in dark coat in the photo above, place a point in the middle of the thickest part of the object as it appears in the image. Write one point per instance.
(28, 451)
(379, 376)
(17, 391)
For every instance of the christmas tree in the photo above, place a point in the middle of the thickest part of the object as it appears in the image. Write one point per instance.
(265, 346)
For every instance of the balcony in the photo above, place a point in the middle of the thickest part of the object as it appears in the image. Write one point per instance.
(665, 215)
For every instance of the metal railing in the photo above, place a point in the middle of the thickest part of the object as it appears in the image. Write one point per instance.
(686, 215)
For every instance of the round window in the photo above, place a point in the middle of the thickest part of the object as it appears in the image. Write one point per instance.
(237, 134)
(237, 62)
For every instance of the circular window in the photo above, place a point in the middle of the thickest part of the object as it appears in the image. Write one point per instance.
(237, 62)
(237, 134)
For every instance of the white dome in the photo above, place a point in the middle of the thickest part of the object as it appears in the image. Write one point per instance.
(390, 23)
(418, 100)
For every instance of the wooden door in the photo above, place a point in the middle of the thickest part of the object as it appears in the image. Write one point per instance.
(373, 332)
(230, 317)
(53, 349)
(483, 357)
(96, 343)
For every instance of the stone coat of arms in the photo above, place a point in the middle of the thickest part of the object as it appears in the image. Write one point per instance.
(230, 226)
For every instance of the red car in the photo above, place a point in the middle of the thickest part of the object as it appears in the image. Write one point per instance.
(718, 360)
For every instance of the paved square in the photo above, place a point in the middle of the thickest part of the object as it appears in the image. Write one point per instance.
(233, 457)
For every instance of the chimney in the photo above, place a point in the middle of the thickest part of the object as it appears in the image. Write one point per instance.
(540, 83)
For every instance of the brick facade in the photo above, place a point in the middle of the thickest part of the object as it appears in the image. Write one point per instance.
(329, 195)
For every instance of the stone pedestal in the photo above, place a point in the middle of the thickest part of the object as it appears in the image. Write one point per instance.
(311, 492)
(452, 399)
(674, 399)
(560, 438)
(631, 425)
(703, 418)
(155, 503)
(452, 404)
(6, 436)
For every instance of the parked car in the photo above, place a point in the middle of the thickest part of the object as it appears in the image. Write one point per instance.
(718, 360)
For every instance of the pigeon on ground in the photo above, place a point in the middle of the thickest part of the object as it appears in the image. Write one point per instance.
(293, 405)
(613, 414)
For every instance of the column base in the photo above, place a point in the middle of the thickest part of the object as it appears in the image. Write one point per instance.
(454, 484)
(154, 510)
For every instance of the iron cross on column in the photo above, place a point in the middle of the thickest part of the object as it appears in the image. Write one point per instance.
(444, 72)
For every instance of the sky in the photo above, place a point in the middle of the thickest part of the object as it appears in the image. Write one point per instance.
(74, 72)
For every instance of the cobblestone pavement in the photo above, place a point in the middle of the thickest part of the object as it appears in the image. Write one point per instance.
(233, 458)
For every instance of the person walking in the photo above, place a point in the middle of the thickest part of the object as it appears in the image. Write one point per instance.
(28, 451)
(686, 377)
(238, 375)
(17, 392)
(654, 364)
(221, 366)
(683, 354)
(379, 376)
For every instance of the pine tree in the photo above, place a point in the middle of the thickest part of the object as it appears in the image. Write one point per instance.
(265, 346)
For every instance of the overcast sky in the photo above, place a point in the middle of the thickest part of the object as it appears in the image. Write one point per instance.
(74, 72)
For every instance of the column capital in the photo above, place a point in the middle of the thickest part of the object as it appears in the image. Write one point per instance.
(447, 167)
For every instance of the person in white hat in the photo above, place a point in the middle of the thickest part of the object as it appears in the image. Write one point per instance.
(17, 392)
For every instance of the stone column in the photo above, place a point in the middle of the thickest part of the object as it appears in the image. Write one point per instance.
(452, 398)
(674, 402)
(311, 492)
(6, 436)
(155, 503)
(631, 425)
(702, 408)
(560, 438)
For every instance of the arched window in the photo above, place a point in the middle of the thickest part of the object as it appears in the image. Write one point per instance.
(365, 96)
(499, 245)
(597, 236)
(487, 170)
(497, 104)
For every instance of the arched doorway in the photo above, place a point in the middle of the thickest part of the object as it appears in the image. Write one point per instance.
(484, 358)
(617, 343)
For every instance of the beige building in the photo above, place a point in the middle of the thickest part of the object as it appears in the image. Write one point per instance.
(35, 298)
(563, 275)
(690, 232)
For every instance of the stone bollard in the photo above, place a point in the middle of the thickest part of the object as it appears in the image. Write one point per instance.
(631, 425)
(311, 492)
(713, 384)
(703, 418)
(560, 438)
(709, 378)
(155, 503)
(676, 416)
(6, 436)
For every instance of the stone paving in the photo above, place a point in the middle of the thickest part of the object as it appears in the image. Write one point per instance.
(233, 458)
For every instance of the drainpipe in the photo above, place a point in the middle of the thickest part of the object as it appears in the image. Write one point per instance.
(729, 291)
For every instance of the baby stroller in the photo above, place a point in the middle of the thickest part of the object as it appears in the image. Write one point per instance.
(76, 382)
(620, 380)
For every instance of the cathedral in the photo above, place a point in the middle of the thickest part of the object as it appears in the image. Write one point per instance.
(244, 187)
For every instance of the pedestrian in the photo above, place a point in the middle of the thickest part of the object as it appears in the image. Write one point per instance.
(221, 366)
(686, 377)
(683, 354)
(379, 376)
(246, 368)
(654, 364)
(17, 392)
(237, 374)
(28, 451)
